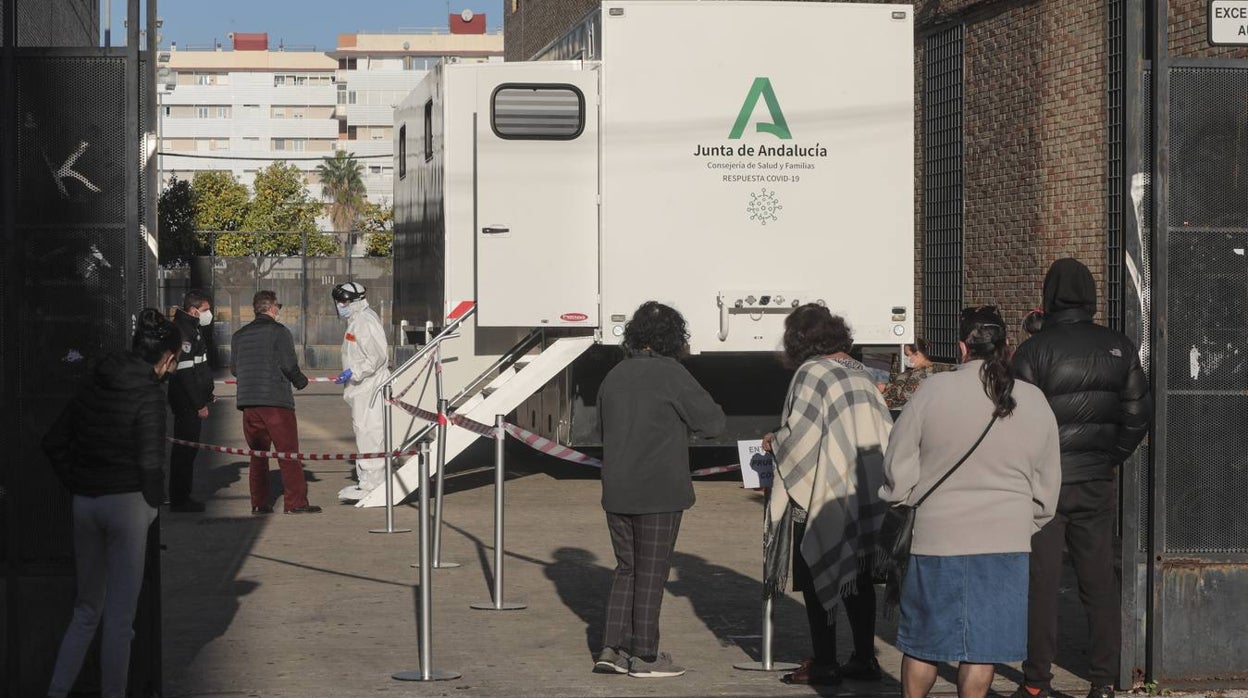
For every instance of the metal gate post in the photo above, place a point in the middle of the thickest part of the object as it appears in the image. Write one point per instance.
(500, 476)
(444, 426)
(425, 672)
(766, 663)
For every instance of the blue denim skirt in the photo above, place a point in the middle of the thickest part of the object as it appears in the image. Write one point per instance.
(965, 608)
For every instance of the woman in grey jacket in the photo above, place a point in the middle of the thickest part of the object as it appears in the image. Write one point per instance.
(647, 406)
(964, 598)
(107, 448)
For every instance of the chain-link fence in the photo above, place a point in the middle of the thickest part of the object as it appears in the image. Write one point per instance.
(279, 262)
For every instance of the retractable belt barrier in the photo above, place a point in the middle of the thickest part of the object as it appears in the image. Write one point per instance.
(283, 455)
(534, 441)
(234, 381)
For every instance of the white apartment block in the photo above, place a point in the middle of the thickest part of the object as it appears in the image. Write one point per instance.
(241, 109)
(376, 71)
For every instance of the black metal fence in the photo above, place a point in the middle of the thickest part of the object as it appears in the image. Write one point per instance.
(301, 280)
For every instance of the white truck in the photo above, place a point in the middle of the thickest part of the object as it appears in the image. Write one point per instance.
(731, 159)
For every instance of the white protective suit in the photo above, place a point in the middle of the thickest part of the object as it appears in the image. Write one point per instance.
(365, 352)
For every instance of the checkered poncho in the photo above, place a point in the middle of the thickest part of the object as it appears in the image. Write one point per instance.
(830, 458)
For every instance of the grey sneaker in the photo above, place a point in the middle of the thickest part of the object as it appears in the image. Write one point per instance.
(611, 661)
(661, 668)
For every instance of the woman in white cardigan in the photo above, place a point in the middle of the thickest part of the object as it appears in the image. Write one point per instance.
(964, 597)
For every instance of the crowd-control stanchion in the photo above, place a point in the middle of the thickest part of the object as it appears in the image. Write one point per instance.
(500, 476)
(388, 436)
(766, 664)
(425, 672)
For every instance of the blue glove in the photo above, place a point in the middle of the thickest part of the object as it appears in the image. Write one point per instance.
(343, 377)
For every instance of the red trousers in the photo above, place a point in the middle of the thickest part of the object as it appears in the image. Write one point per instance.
(276, 428)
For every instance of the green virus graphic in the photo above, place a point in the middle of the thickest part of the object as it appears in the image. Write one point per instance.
(764, 206)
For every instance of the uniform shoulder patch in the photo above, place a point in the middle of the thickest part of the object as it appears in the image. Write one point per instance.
(350, 337)
(1116, 352)
(186, 347)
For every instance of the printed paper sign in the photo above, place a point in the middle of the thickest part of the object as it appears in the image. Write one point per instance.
(757, 466)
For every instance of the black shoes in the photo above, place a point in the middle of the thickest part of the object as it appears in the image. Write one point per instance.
(1022, 692)
(863, 669)
(305, 509)
(261, 511)
(1101, 692)
(190, 506)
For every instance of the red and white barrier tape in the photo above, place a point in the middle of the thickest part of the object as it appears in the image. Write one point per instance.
(283, 455)
(535, 441)
(234, 381)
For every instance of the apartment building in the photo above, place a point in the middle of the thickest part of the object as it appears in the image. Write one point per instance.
(243, 108)
(376, 70)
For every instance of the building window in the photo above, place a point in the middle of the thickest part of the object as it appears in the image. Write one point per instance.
(428, 130)
(347, 63)
(942, 191)
(297, 145)
(202, 112)
(537, 112)
(251, 144)
(205, 79)
(352, 132)
(223, 112)
(166, 110)
(351, 97)
(402, 151)
(374, 169)
(220, 144)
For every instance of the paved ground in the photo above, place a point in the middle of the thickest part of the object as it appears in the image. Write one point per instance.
(317, 606)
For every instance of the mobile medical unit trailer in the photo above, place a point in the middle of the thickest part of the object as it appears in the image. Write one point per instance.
(731, 159)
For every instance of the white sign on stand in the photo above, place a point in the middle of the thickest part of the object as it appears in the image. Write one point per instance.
(1228, 22)
(757, 466)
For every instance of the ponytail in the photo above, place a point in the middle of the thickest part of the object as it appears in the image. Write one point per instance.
(983, 332)
(154, 337)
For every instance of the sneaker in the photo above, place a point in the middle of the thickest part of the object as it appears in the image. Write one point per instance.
(1101, 692)
(611, 661)
(351, 493)
(860, 669)
(1025, 691)
(190, 506)
(261, 511)
(661, 667)
(305, 509)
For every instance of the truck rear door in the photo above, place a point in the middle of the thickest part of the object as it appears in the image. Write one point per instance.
(536, 183)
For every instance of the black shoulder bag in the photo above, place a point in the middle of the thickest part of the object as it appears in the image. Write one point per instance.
(897, 531)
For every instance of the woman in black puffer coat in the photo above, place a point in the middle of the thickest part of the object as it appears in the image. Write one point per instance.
(107, 448)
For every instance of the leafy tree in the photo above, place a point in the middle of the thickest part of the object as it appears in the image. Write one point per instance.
(278, 219)
(220, 201)
(175, 214)
(378, 221)
(342, 184)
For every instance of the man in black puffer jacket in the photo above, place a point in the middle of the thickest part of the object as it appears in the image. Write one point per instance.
(1100, 396)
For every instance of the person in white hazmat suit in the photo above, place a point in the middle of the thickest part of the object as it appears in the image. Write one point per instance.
(365, 358)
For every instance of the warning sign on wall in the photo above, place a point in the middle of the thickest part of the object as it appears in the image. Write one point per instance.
(1228, 22)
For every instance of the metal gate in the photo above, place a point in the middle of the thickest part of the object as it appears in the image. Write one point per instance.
(1199, 512)
(76, 222)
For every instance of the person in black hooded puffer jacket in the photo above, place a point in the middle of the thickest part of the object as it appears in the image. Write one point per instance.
(1093, 380)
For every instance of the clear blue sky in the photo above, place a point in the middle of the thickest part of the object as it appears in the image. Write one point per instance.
(300, 23)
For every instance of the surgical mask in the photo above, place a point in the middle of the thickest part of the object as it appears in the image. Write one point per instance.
(910, 361)
(205, 318)
(344, 311)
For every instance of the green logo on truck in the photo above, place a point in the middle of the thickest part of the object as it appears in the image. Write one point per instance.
(761, 89)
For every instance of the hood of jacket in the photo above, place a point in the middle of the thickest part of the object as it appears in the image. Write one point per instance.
(1069, 285)
(124, 371)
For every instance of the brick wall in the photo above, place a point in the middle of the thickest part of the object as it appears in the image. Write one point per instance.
(535, 23)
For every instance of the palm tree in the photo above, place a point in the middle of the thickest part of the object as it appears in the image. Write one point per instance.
(343, 186)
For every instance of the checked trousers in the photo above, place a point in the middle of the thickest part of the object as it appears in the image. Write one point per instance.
(643, 556)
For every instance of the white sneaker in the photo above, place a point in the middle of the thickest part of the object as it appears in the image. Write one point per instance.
(351, 493)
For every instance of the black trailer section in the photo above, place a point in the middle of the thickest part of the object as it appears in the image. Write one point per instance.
(77, 244)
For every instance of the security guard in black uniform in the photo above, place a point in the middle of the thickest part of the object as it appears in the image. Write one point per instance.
(190, 392)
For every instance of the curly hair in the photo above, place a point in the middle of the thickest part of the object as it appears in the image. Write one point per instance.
(658, 328)
(812, 330)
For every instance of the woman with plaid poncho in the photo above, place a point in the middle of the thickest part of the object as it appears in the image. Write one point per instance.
(829, 462)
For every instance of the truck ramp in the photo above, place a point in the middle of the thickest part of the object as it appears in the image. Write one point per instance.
(500, 396)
